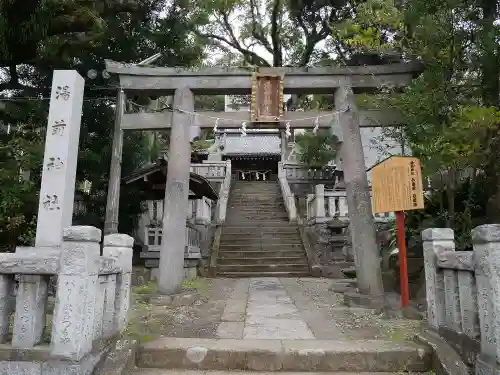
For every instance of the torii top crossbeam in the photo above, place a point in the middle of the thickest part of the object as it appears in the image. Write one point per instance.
(232, 81)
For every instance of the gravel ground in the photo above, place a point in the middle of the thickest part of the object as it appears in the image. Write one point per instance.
(197, 315)
(329, 319)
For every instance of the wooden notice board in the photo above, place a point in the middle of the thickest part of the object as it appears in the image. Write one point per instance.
(267, 97)
(397, 185)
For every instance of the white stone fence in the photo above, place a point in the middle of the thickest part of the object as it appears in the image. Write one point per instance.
(92, 296)
(193, 240)
(211, 170)
(463, 293)
(286, 192)
(297, 173)
(324, 205)
(221, 208)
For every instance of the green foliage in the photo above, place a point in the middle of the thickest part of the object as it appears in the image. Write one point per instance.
(201, 144)
(316, 150)
(20, 152)
(77, 35)
(451, 111)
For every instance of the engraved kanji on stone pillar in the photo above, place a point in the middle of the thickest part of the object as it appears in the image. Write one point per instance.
(57, 190)
(74, 311)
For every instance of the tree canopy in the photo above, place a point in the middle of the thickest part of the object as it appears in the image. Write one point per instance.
(37, 37)
(451, 111)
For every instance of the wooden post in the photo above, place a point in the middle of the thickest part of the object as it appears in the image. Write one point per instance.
(362, 225)
(403, 267)
(113, 199)
(171, 271)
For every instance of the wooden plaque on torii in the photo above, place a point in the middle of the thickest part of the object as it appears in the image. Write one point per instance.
(267, 97)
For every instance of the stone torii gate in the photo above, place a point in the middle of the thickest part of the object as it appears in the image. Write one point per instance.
(267, 86)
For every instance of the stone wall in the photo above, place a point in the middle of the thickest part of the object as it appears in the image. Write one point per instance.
(463, 294)
(92, 303)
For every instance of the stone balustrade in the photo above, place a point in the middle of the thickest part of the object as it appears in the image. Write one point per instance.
(193, 241)
(325, 205)
(463, 294)
(221, 207)
(92, 296)
(211, 170)
(298, 173)
(286, 192)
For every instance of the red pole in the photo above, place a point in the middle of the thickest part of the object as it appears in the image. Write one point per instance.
(403, 266)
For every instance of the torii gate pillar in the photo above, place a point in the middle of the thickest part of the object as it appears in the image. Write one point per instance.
(362, 225)
(171, 270)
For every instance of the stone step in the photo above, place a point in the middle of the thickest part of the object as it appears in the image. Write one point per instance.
(284, 355)
(253, 231)
(256, 189)
(276, 244)
(252, 222)
(256, 213)
(225, 254)
(254, 207)
(277, 267)
(263, 194)
(256, 201)
(299, 260)
(156, 371)
(262, 237)
(256, 217)
(239, 275)
(259, 224)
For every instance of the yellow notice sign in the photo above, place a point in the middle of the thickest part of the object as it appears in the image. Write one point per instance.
(397, 185)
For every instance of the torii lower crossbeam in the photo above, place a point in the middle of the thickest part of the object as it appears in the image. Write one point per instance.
(233, 120)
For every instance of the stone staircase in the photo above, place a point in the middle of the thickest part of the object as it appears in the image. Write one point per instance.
(257, 238)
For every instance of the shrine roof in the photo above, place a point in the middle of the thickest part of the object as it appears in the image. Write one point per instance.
(152, 180)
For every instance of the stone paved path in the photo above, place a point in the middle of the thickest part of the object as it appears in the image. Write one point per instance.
(293, 308)
(265, 308)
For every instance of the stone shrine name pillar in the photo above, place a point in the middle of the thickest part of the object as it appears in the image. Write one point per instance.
(171, 270)
(57, 190)
(361, 222)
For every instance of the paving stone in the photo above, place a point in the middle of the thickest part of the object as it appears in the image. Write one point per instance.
(277, 329)
(270, 311)
(230, 330)
(233, 317)
(235, 305)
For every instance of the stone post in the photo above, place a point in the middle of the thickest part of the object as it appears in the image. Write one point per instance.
(435, 240)
(113, 198)
(202, 222)
(121, 247)
(486, 242)
(171, 270)
(6, 284)
(57, 190)
(362, 225)
(74, 311)
(31, 304)
(284, 146)
(319, 191)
